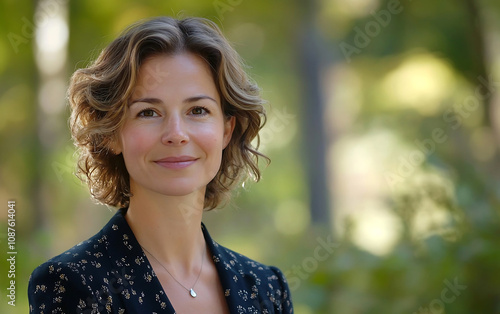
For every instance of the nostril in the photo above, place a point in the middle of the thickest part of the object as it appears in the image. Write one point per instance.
(175, 138)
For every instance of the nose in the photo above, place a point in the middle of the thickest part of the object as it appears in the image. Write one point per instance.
(174, 131)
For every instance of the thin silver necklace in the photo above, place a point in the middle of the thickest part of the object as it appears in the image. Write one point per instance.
(191, 291)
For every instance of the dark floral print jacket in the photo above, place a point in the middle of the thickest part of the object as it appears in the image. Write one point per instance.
(109, 273)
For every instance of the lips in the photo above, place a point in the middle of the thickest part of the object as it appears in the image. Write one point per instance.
(176, 162)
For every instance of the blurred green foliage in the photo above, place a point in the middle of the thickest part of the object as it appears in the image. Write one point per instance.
(404, 145)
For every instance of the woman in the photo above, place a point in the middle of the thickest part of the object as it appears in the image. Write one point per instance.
(164, 120)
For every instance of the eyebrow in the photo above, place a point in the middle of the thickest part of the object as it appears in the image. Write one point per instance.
(156, 101)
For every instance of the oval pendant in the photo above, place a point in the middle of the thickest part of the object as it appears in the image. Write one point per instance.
(192, 293)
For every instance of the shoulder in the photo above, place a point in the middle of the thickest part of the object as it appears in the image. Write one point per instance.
(245, 265)
(240, 265)
(87, 256)
(78, 259)
(264, 287)
(68, 282)
(250, 270)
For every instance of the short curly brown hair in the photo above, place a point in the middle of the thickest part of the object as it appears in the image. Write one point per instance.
(99, 95)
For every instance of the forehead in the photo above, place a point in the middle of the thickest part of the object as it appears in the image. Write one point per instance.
(181, 73)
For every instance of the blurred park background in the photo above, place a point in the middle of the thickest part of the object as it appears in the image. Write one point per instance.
(383, 195)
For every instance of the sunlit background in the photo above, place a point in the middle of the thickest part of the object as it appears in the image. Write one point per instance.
(383, 194)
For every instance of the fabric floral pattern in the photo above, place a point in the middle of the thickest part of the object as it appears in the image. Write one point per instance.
(109, 273)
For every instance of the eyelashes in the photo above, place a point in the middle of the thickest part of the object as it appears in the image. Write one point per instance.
(195, 111)
(199, 110)
(147, 113)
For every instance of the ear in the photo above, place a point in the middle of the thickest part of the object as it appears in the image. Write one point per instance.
(228, 129)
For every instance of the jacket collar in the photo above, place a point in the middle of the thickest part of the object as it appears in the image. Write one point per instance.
(128, 262)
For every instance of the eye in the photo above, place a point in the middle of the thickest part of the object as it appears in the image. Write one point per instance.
(199, 111)
(148, 113)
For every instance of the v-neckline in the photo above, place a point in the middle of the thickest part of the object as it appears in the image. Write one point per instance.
(214, 252)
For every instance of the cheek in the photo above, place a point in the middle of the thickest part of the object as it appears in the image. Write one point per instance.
(213, 141)
(210, 141)
(134, 142)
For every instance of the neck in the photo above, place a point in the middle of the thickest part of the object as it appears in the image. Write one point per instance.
(169, 228)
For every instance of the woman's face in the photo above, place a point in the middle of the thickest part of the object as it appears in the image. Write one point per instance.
(174, 130)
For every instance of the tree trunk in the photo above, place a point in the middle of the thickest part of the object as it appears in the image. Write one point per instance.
(315, 144)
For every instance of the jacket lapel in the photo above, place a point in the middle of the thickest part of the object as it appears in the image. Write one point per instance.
(230, 274)
(133, 277)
